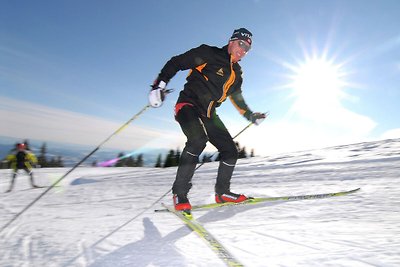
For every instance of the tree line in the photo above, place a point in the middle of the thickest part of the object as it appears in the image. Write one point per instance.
(171, 159)
(173, 156)
(124, 161)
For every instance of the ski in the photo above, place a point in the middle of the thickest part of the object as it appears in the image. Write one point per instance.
(212, 242)
(33, 188)
(26, 189)
(257, 200)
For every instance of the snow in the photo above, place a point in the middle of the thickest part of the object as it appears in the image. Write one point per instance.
(104, 216)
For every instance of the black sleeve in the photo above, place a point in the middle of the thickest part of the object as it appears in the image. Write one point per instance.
(239, 103)
(188, 60)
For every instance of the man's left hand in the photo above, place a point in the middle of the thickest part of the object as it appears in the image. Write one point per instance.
(257, 117)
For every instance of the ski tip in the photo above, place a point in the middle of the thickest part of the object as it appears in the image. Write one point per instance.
(159, 210)
(165, 209)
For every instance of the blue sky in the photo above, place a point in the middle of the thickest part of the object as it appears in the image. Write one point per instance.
(74, 71)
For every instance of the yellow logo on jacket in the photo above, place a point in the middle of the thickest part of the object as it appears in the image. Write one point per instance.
(220, 72)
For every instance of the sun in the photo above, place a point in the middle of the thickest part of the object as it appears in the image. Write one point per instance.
(317, 87)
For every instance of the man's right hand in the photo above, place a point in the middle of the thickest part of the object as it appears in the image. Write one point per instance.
(157, 94)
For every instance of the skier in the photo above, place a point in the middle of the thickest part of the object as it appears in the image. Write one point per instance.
(22, 158)
(215, 74)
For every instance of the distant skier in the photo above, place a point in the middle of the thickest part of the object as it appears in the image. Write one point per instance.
(21, 158)
(215, 74)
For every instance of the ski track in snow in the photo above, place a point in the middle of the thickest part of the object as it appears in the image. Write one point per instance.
(102, 217)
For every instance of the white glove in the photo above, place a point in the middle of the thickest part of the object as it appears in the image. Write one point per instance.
(257, 118)
(157, 94)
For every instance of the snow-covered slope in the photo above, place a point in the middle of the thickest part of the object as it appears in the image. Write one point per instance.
(104, 216)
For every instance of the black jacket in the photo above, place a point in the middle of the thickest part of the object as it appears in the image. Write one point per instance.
(212, 78)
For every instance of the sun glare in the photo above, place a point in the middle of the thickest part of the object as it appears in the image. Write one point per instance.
(317, 87)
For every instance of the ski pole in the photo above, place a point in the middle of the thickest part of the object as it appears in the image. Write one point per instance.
(75, 166)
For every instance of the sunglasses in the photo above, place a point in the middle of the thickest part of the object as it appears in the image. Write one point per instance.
(245, 46)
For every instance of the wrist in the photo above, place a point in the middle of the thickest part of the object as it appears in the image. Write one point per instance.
(248, 114)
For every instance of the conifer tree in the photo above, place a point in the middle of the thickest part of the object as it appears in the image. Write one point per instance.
(177, 157)
(60, 162)
(52, 163)
(42, 160)
(139, 161)
(130, 162)
(158, 163)
(242, 153)
(170, 159)
(121, 161)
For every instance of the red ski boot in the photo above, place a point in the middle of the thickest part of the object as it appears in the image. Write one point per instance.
(181, 202)
(230, 197)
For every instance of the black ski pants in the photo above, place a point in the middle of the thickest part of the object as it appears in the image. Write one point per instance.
(199, 130)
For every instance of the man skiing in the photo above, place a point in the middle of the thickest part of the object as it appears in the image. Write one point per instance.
(21, 159)
(215, 74)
